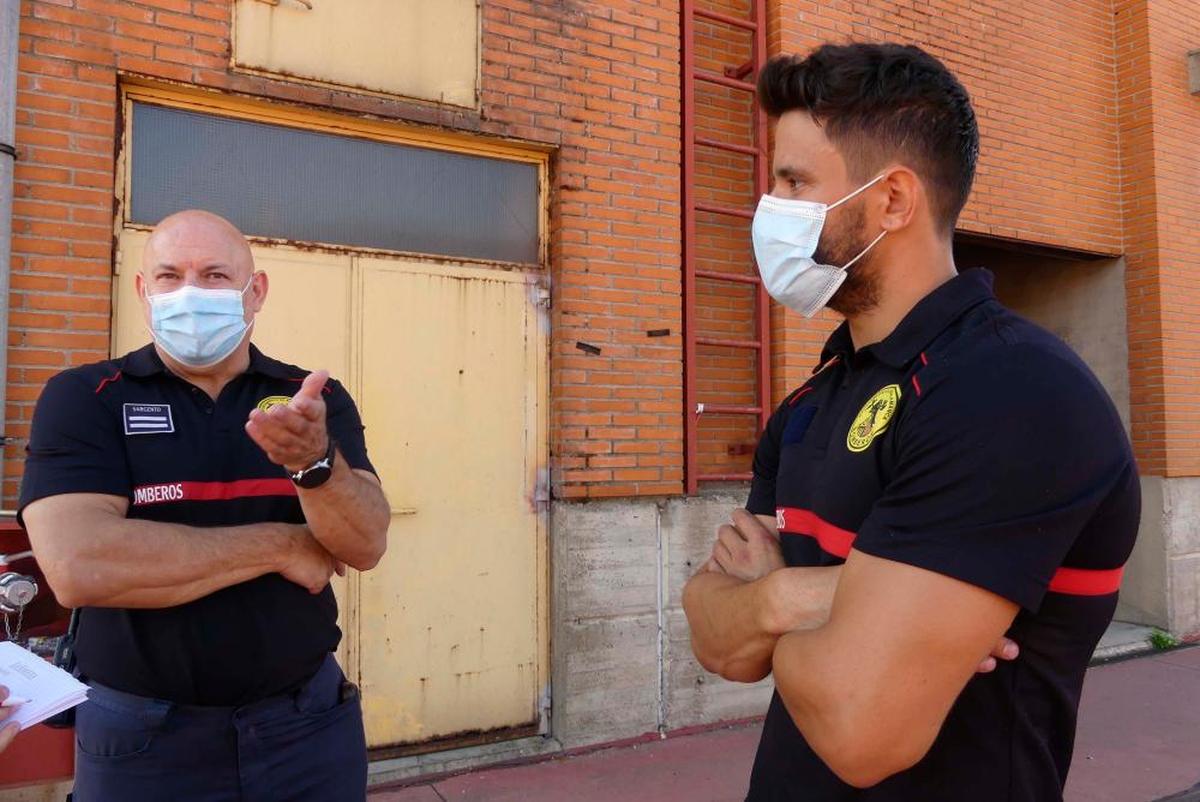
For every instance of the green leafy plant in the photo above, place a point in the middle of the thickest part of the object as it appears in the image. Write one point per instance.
(1162, 640)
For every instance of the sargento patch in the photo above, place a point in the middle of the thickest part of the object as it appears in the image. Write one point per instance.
(148, 419)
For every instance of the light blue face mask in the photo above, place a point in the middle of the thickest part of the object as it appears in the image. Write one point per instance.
(786, 233)
(199, 327)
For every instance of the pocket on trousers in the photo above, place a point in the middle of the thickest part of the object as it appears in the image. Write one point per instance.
(111, 730)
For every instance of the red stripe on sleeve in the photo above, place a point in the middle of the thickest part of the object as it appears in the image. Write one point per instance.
(1086, 582)
(838, 542)
(832, 539)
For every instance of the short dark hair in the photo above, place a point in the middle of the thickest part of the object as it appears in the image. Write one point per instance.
(884, 102)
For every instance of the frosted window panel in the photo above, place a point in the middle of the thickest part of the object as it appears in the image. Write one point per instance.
(274, 181)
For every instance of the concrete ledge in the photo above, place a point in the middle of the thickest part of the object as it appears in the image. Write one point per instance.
(1192, 795)
(1122, 640)
(423, 768)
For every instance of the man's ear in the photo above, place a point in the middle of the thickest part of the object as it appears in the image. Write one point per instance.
(139, 286)
(905, 195)
(259, 285)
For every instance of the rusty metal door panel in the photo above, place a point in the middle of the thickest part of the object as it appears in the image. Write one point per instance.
(452, 625)
(427, 49)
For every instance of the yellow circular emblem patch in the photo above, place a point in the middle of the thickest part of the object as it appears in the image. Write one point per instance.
(873, 418)
(273, 401)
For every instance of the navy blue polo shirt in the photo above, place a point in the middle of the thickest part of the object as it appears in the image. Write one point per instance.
(129, 427)
(972, 443)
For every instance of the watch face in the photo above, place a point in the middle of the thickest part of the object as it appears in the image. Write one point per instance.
(314, 476)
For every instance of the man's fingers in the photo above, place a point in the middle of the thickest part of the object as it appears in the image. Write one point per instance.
(282, 420)
(7, 734)
(731, 535)
(256, 434)
(313, 384)
(1006, 649)
(273, 437)
(750, 526)
(731, 540)
(289, 419)
(339, 568)
(311, 411)
(268, 438)
(722, 555)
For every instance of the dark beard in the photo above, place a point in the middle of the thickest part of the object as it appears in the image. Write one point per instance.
(859, 293)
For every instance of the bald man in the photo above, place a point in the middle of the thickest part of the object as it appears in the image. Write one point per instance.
(193, 498)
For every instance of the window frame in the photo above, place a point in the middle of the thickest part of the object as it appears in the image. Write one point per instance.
(344, 125)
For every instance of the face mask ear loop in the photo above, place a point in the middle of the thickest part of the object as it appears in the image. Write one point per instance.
(858, 191)
(850, 264)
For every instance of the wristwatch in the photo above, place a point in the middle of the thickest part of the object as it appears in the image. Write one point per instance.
(319, 472)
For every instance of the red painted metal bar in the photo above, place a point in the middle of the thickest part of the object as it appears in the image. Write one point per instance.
(762, 186)
(726, 477)
(729, 146)
(740, 71)
(727, 409)
(714, 208)
(725, 342)
(691, 425)
(690, 75)
(717, 16)
(716, 275)
(732, 83)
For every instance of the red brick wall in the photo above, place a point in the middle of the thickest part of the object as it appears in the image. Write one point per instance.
(598, 81)
(1042, 78)
(1159, 120)
(604, 84)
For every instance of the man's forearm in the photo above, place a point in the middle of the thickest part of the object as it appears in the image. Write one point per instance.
(736, 624)
(144, 564)
(231, 556)
(106, 560)
(349, 516)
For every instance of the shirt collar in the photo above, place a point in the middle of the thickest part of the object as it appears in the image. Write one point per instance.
(929, 318)
(145, 362)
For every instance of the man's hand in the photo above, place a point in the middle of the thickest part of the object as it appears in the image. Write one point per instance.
(294, 435)
(1004, 649)
(9, 731)
(746, 549)
(306, 562)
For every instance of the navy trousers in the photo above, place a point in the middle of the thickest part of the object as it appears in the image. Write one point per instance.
(304, 747)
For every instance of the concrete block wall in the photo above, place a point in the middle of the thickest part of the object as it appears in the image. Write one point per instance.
(621, 658)
(1162, 580)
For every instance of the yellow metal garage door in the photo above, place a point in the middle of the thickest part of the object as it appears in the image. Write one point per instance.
(448, 635)
(426, 49)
